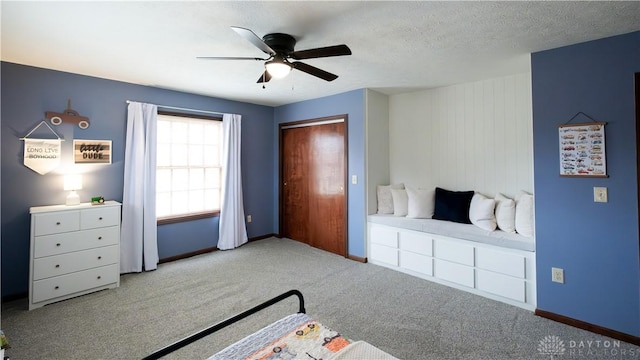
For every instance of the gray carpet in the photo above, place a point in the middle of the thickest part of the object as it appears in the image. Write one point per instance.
(405, 316)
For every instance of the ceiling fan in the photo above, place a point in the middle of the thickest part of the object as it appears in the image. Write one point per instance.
(280, 48)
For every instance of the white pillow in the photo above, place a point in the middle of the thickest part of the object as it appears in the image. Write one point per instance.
(385, 201)
(421, 203)
(400, 202)
(505, 213)
(482, 212)
(524, 214)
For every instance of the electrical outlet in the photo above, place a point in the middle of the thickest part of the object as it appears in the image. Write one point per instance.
(248, 218)
(600, 194)
(557, 275)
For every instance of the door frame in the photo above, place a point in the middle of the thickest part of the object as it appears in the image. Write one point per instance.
(637, 105)
(314, 122)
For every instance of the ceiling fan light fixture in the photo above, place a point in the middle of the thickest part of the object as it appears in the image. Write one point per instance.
(277, 68)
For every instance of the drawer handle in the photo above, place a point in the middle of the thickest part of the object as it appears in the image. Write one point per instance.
(99, 277)
(99, 257)
(58, 223)
(99, 237)
(57, 266)
(100, 218)
(58, 244)
(57, 287)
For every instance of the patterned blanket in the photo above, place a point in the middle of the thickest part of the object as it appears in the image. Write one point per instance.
(296, 336)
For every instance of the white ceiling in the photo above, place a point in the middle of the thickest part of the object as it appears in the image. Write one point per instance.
(397, 46)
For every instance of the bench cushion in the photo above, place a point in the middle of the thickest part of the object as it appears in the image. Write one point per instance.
(456, 230)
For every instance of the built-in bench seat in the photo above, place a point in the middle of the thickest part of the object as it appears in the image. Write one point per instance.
(456, 230)
(494, 264)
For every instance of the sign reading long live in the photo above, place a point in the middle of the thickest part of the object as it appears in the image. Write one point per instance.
(42, 155)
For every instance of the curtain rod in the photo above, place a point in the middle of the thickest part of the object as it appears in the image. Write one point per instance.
(183, 109)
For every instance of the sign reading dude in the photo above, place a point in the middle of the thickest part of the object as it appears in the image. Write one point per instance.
(92, 151)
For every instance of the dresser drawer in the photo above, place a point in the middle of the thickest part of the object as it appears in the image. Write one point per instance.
(80, 240)
(57, 265)
(71, 283)
(55, 223)
(99, 217)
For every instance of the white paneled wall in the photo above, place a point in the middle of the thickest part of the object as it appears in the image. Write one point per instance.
(472, 136)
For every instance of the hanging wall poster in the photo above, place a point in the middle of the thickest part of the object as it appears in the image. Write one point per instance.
(92, 151)
(582, 150)
(41, 155)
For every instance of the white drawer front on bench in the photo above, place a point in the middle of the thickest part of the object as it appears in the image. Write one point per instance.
(383, 235)
(385, 254)
(456, 273)
(416, 242)
(416, 262)
(454, 251)
(502, 285)
(501, 262)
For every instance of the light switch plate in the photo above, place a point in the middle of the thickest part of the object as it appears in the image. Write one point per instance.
(600, 194)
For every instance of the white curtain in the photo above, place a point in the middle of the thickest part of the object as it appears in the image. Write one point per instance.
(139, 246)
(233, 231)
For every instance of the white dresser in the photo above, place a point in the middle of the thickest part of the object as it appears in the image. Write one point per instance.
(74, 250)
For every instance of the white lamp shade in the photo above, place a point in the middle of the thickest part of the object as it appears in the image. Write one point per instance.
(73, 182)
(278, 70)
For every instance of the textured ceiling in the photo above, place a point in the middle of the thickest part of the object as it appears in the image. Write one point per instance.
(397, 46)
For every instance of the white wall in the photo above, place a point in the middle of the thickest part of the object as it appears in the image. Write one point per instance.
(377, 145)
(472, 136)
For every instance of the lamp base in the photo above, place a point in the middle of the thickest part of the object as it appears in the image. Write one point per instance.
(73, 198)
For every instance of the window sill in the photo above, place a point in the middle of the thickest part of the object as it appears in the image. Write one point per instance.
(187, 217)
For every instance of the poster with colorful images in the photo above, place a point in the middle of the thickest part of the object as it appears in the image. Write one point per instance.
(582, 150)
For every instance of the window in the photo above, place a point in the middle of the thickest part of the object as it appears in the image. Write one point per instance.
(188, 169)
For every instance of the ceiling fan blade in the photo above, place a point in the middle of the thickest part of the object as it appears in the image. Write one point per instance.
(229, 58)
(336, 50)
(254, 39)
(265, 77)
(312, 70)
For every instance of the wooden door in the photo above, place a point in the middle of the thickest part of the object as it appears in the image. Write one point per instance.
(312, 188)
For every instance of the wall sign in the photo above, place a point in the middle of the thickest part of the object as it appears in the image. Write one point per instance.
(582, 150)
(92, 151)
(42, 155)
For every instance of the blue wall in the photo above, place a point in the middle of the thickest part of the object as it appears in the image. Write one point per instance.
(28, 92)
(595, 243)
(353, 104)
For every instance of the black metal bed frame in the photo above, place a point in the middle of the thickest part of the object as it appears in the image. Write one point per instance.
(224, 323)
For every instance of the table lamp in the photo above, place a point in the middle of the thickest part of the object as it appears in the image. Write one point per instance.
(73, 182)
